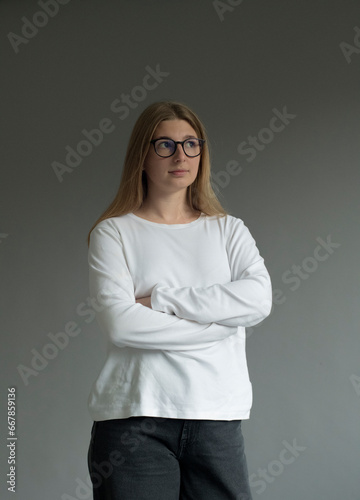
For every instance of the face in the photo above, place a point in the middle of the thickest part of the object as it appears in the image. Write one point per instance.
(178, 171)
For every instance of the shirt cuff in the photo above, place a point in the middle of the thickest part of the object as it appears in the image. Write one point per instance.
(155, 303)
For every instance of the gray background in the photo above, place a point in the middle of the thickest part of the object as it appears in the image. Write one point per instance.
(234, 68)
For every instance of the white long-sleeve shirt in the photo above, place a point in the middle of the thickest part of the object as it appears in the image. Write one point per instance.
(185, 356)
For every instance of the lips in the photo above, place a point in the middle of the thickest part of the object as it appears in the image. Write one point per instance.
(172, 171)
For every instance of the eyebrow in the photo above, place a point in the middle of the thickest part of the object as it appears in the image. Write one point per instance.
(167, 137)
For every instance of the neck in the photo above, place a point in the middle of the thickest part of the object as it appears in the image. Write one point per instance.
(168, 208)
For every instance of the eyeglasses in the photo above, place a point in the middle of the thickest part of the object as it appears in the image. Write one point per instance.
(165, 147)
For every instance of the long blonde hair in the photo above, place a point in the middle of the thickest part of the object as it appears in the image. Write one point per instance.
(133, 185)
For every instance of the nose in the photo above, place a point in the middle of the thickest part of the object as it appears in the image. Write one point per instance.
(179, 152)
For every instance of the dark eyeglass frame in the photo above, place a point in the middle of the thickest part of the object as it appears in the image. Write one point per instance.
(201, 143)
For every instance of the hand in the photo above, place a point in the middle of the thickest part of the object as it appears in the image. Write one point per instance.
(145, 301)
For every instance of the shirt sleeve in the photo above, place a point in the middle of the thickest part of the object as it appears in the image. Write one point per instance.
(245, 301)
(127, 323)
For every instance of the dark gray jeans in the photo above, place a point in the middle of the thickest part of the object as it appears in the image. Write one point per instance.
(151, 458)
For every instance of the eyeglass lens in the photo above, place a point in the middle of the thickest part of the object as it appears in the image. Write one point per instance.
(167, 147)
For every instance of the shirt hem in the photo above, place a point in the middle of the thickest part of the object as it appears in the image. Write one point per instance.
(120, 414)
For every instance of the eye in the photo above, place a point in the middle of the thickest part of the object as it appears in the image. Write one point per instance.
(191, 143)
(164, 144)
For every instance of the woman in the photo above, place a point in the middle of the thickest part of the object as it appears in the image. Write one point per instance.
(177, 280)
